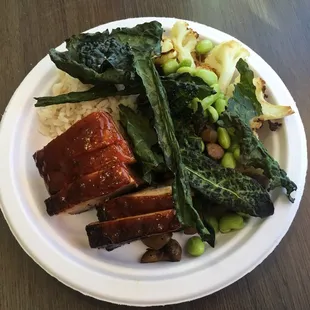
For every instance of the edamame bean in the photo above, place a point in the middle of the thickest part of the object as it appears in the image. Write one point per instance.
(189, 70)
(213, 115)
(194, 104)
(204, 46)
(223, 137)
(236, 153)
(208, 76)
(195, 246)
(208, 101)
(213, 222)
(230, 222)
(170, 66)
(185, 63)
(220, 105)
(233, 146)
(216, 87)
(228, 161)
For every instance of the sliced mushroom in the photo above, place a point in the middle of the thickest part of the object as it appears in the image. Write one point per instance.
(152, 256)
(158, 241)
(172, 252)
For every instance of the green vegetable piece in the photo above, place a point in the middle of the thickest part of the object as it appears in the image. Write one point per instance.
(230, 222)
(171, 66)
(204, 46)
(202, 146)
(236, 153)
(216, 87)
(223, 138)
(189, 70)
(212, 220)
(242, 107)
(195, 246)
(207, 75)
(194, 104)
(143, 138)
(144, 41)
(226, 187)
(220, 105)
(185, 63)
(233, 146)
(213, 115)
(228, 161)
(208, 101)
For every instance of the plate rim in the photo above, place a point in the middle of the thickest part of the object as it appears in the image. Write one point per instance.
(132, 303)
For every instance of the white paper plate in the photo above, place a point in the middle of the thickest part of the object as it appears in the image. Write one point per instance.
(59, 244)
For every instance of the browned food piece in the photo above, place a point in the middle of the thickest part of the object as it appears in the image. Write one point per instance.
(142, 202)
(158, 241)
(95, 131)
(71, 169)
(215, 151)
(171, 252)
(91, 189)
(125, 230)
(209, 135)
(190, 231)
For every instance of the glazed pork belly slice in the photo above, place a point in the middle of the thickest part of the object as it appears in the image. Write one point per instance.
(145, 201)
(93, 132)
(91, 189)
(71, 169)
(114, 233)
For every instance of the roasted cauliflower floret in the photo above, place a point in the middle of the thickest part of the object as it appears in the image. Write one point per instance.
(223, 58)
(184, 40)
(270, 111)
(167, 51)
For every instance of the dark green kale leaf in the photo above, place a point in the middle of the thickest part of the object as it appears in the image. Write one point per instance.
(181, 89)
(144, 42)
(226, 186)
(95, 59)
(244, 102)
(242, 107)
(96, 92)
(143, 138)
(254, 154)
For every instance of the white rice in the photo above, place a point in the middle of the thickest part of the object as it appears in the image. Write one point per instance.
(56, 119)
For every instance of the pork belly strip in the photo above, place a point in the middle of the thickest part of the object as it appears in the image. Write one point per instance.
(91, 189)
(125, 230)
(142, 202)
(71, 169)
(95, 131)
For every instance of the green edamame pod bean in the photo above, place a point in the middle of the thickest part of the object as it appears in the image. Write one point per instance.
(230, 222)
(228, 161)
(207, 76)
(204, 46)
(208, 101)
(213, 115)
(186, 63)
(220, 105)
(223, 138)
(233, 146)
(195, 246)
(216, 87)
(170, 66)
(189, 70)
(213, 222)
(236, 153)
(194, 104)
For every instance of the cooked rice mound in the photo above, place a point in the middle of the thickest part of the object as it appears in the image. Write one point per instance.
(56, 119)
